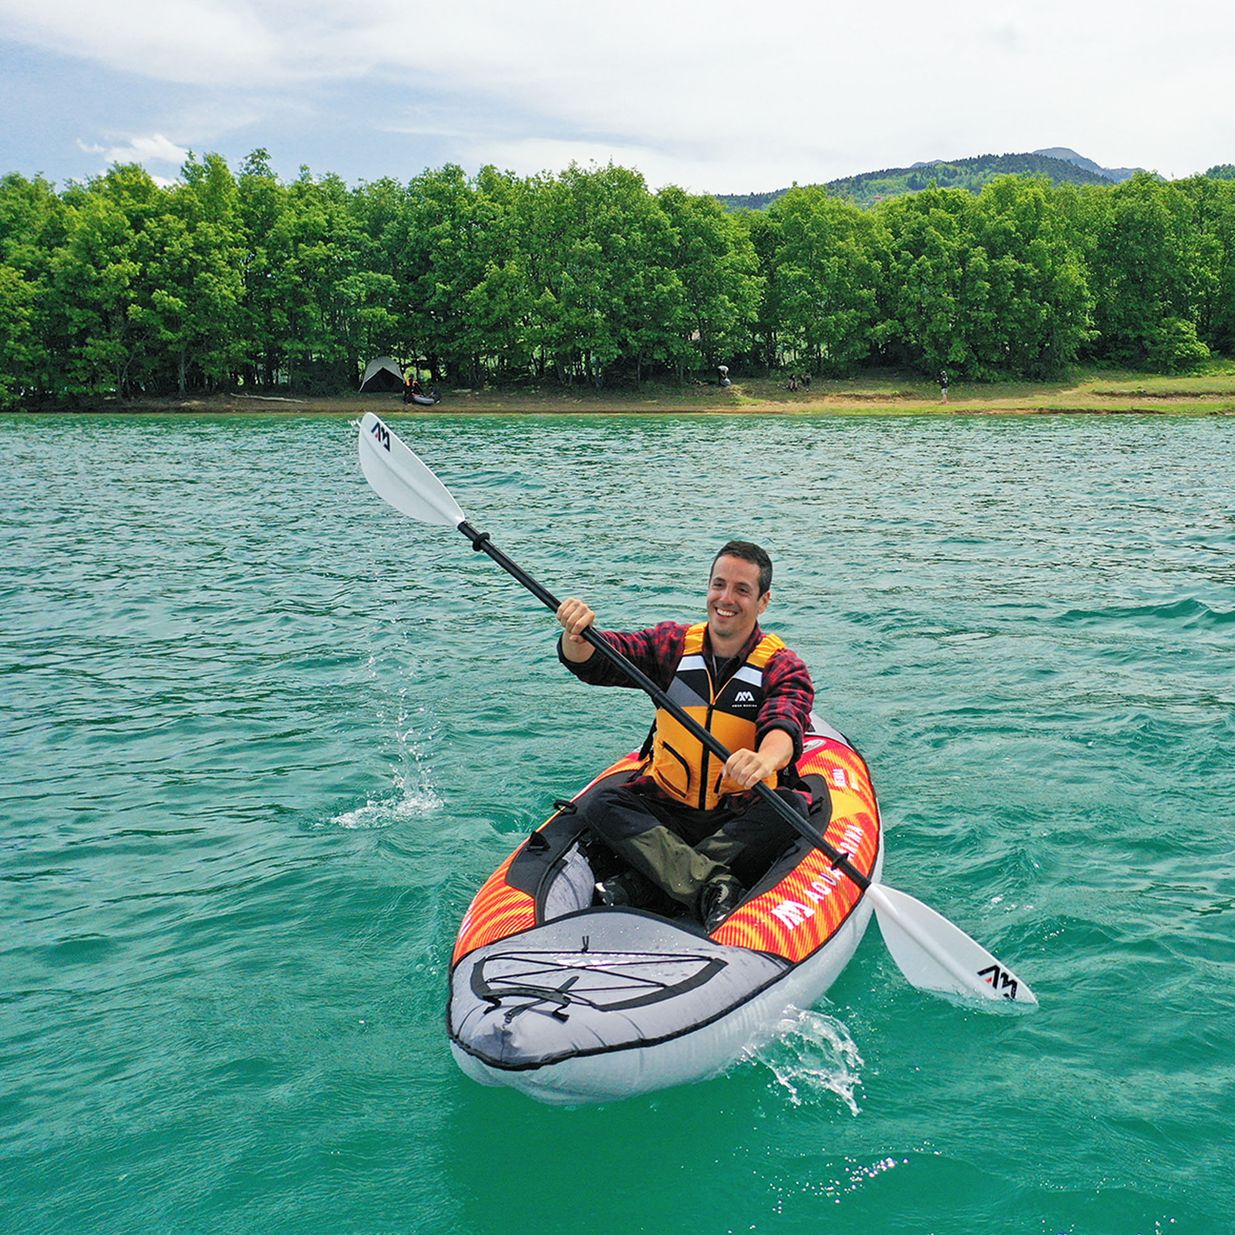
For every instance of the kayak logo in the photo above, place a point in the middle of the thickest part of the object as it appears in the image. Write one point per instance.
(744, 697)
(1000, 979)
(381, 433)
(792, 913)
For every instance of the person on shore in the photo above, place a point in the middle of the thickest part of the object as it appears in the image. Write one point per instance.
(687, 825)
(943, 385)
(793, 381)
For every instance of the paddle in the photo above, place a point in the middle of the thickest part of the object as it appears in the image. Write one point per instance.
(932, 953)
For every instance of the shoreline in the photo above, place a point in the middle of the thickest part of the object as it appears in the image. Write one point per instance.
(1210, 393)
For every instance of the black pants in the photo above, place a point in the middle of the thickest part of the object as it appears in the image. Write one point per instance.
(680, 849)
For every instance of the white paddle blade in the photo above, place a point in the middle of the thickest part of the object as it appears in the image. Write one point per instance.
(401, 479)
(935, 955)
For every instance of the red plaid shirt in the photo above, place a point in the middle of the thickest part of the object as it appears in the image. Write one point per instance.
(788, 694)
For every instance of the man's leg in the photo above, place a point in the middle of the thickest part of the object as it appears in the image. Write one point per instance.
(637, 829)
(748, 843)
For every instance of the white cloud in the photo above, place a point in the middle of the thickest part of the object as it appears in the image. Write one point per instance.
(196, 41)
(724, 95)
(153, 149)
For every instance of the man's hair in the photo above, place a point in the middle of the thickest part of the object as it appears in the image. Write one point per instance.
(749, 553)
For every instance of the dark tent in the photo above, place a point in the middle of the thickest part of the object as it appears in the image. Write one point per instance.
(381, 375)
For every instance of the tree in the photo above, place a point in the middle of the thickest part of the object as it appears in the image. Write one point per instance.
(1036, 312)
(764, 229)
(829, 259)
(930, 286)
(32, 227)
(314, 250)
(715, 262)
(1213, 213)
(1147, 272)
(96, 281)
(262, 202)
(381, 321)
(609, 298)
(192, 258)
(18, 344)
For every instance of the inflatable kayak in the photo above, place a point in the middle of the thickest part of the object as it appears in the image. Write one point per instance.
(571, 1002)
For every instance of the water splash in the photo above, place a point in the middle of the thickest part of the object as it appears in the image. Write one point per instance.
(812, 1056)
(412, 791)
(405, 803)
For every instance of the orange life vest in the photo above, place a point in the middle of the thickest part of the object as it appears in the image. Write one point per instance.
(681, 765)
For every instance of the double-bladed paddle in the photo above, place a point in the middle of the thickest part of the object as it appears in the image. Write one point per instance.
(932, 953)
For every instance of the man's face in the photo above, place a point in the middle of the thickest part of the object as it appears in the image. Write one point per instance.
(734, 602)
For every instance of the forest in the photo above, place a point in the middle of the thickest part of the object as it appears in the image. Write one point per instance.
(229, 280)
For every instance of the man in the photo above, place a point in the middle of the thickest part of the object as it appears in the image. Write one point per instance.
(688, 826)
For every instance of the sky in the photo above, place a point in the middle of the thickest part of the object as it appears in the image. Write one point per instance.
(722, 96)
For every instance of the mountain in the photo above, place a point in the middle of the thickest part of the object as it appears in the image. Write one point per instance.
(1070, 156)
(1059, 164)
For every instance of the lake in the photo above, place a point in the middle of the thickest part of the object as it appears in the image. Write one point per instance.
(263, 739)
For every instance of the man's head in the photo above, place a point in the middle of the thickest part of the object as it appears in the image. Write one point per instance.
(739, 589)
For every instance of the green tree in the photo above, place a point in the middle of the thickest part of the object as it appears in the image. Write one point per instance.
(1147, 273)
(829, 258)
(314, 251)
(764, 230)
(32, 228)
(96, 283)
(1213, 206)
(935, 281)
(18, 344)
(1035, 311)
(381, 324)
(498, 327)
(443, 260)
(192, 256)
(610, 299)
(715, 262)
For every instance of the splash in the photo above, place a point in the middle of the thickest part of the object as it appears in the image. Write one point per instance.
(412, 792)
(812, 1056)
(405, 803)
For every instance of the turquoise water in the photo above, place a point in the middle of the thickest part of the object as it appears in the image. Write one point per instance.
(263, 738)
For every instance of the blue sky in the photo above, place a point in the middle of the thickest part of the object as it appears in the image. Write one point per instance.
(718, 96)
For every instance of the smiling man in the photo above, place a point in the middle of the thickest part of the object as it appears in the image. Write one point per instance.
(689, 825)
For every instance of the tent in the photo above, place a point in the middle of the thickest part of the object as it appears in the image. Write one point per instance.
(381, 374)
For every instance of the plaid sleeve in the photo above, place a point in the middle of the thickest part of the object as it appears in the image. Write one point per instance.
(656, 651)
(788, 696)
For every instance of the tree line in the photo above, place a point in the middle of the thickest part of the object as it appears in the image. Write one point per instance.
(229, 280)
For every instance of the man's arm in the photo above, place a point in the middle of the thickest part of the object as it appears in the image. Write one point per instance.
(655, 652)
(789, 695)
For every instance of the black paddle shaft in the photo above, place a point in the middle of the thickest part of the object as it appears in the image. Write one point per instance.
(840, 861)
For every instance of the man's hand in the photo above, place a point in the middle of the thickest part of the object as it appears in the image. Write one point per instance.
(575, 617)
(746, 768)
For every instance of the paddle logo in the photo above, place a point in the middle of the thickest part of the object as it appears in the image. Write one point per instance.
(381, 433)
(744, 697)
(1000, 980)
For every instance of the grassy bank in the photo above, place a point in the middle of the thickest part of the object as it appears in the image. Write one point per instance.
(1208, 391)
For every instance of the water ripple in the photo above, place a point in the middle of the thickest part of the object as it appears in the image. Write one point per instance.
(264, 739)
